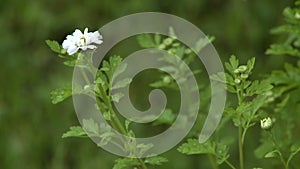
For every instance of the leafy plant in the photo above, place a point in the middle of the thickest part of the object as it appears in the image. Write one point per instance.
(271, 103)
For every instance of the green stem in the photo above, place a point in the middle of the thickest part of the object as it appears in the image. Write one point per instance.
(241, 134)
(241, 153)
(292, 156)
(85, 76)
(284, 163)
(143, 165)
(213, 161)
(229, 164)
(115, 117)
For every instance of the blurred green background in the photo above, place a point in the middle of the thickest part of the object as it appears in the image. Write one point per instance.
(31, 127)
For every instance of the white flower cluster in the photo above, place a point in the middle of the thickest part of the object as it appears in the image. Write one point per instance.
(241, 70)
(81, 41)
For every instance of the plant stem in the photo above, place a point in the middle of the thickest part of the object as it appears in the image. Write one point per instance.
(241, 133)
(143, 165)
(85, 76)
(241, 153)
(213, 161)
(292, 156)
(229, 164)
(285, 164)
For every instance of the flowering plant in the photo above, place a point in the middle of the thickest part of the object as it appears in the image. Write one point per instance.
(255, 105)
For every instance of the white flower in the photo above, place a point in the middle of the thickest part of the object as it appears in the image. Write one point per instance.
(266, 123)
(83, 41)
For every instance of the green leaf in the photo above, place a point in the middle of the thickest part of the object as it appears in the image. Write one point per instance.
(54, 46)
(70, 63)
(75, 131)
(258, 87)
(156, 160)
(219, 150)
(59, 95)
(272, 154)
(282, 49)
(90, 126)
(105, 138)
(121, 68)
(250, 64)
(122, 83)
(194, 147)
(157, 39)
(107, 115)
(172, 33)
(146, 41)
(167, 117)
(263, 149)
(219, 77)
(127, 123)
(201, 43)
(234, 62)
(111, 66)
(124, 163)
(116, 97)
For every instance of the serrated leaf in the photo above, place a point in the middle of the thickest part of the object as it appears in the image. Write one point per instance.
(234, 62)
(282, 49)
(124, 163)
(194, 147)
(146, 41)
(258, 87)
(121, 83)
(250, 64)
(75, 131)
(219, 77)
(156, 160)
(105, 138)
(127, 123)
(107, 115)
(168, 117)
(70, 63)
(90, 126)
(116, 97)
(54, 46)
(59, 95)
(201, 43)
(219, 150)
(121, 68)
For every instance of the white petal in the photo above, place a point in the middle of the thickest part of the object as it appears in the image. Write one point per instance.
(98, 41)
(77, 33)
(72, 49)
(86, 31)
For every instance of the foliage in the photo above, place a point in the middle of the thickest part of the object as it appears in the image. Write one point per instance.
(266, 102)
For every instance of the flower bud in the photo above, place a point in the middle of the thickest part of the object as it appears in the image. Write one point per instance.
(297, 15)
(86, 87)
(242, 68)
(266, 123)
(161, 46)
(168, 41)
(187, 51)
(175, 44)
(236, 71)
(237, 81)
(63, 51)
(244, 76)
(167, 79)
